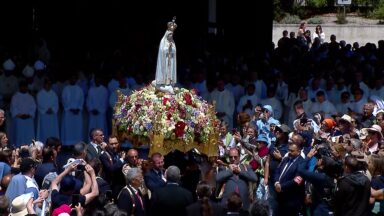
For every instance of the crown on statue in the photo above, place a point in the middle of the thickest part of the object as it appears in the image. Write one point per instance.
(172, 25)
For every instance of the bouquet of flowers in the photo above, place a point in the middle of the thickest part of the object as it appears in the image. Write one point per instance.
(181, 116)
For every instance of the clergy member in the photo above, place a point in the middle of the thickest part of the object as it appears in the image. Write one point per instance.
(23, 108)
(225, 103)
(97, 105)
(72, 121)
(48, 106)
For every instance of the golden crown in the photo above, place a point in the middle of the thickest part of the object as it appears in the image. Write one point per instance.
(172, 25)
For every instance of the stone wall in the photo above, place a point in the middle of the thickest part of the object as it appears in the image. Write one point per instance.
(350, 33)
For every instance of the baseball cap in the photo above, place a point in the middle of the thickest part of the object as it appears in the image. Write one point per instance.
(284, 128)
(268, 107)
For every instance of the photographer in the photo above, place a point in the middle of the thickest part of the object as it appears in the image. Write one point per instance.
(68, 186)
(321, 188)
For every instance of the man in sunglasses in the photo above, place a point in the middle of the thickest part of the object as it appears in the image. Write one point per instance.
(235, 178)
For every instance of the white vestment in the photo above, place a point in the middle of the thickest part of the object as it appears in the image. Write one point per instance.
(225, 102)
(24, 129)
(166, 61)
(47, 121)
(98, 100)
(243, 101)
(72, 124)
(326, 107)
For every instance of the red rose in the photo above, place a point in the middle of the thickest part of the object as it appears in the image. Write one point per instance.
(169, 115)
(188, 98)
(165, 100)
(179, 128)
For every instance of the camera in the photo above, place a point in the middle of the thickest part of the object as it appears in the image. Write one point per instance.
(80, 167)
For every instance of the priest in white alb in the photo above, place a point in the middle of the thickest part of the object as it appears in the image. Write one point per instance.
(48, 106)
(72, 122)
(97, 105)
(23, 109)
(224, 103)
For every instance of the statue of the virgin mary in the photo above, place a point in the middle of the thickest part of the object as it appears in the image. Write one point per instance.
(166, 60)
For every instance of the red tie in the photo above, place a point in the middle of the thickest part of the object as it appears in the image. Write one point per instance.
(141, 201)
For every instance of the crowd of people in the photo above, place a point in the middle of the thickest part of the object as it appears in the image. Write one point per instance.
(300, 134)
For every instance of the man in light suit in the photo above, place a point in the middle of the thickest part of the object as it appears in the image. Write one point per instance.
(288, 184)
(235, 178)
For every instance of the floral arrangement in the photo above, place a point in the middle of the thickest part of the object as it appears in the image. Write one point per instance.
(180, 116)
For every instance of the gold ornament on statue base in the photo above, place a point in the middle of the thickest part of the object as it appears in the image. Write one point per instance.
(167, 122)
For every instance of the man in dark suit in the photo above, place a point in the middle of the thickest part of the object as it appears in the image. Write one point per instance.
(154, 178)
(288, 184)
(112, 164)
(171, 199)
(94, 148)
(235, 178)
(130, 198)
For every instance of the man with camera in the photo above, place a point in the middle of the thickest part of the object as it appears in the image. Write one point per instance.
(69, 186)
(235, 178)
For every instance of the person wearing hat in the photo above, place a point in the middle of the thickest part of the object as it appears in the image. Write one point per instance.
(328, 128)
(345, 124)
(22, 205)
(266, 118)
(372, 138)
(260, 153)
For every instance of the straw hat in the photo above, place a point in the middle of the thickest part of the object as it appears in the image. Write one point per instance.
(19, 205)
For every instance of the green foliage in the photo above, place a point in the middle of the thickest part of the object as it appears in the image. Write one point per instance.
(278, 13)
(290, 19)
(317, 3)
(315, 20)
(300, 11)
(378, 12)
